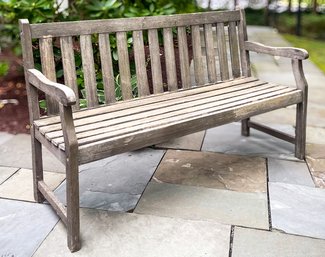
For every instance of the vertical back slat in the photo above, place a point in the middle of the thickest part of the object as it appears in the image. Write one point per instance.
(170, 59)
(48, 69)
(107, 67)
(183, 57)
(157, 82)
(69, 67)
(234, 52)
(242, 31)
(140, 63)
(88, 70)
(124, 65)
(197, 55)
(222, 51)
(210, 53)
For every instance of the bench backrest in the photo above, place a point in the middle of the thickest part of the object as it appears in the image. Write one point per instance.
(218, 33)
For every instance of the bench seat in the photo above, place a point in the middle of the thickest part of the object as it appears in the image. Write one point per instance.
(109, 130)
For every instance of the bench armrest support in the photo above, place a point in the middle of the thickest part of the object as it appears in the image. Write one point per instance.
(59, 92)
(289, 52)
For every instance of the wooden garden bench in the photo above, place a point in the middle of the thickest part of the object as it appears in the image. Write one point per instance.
(169, 106)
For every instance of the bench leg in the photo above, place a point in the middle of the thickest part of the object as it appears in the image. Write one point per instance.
(245, 128)
(73, 216)
(301, 120)
(37, 164)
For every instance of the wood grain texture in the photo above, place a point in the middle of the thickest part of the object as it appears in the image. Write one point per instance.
(234, 49)
(210, 53)
(157, 81)
(183, 57)
(88, 67)
(197, 55)
(107, 67)
(48, 69)
(140, 63)
(69, 67)
(129, 24)
(244, 54)
(222, 51)
(289, 52)
(170, 59)
(124, 65)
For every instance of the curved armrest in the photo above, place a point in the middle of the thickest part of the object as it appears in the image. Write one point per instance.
(59, 92)
(290, 52)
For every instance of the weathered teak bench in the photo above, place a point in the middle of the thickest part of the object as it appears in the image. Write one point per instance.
(80, 136)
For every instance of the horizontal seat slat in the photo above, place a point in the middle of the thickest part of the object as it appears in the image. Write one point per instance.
(152, 106)
(173, 111)
(143, 101)
(75, 28)
(154, 135)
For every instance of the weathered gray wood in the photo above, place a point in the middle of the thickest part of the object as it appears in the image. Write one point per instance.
(170, 59)
(289, 52)
(129, 24)
(210, 53)
(124, 65)
(197, 55)
(234, 51)
(151, 136)
(33, 108)
(244, 54)
(107, 67)
(72, 178)
(88, 67)
(272, 132)
(59, 92)
(69, 67)
(155, 61)
(183, 57)
(48, 69)
(53, 200)
(127, 105)
(222, 51)
(301, 110)
(140, 63)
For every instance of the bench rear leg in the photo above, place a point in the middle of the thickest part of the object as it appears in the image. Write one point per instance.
(73, 215)
(301, 120)
(245, 130)
(37, 164)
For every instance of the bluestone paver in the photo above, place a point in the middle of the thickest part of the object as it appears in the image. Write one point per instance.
(20, 185)
(123, 235)
(258, 243)
(189, 142)
(199, 203)
(228, 139)
(6, 172)
(116, 183)
(289, 172)
(317, 170)
(297, 209)
(4, 136)
(23, 227)
(16, 152)
(213, 170)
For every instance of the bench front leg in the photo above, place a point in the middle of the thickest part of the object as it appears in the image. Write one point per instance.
(72, 178)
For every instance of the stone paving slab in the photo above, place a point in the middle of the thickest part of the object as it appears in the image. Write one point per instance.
(228, 139)
(16, 152)
(289, 172)
(23, 227)
(20, 185)
(116, 183)
(213, 170)
(297, 209)
(6, 172)
(317, 170)
(124, 235)
(4, 136)
(258, 243)
(316, 151)
(198, 203)
(189, 142)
